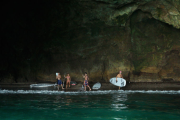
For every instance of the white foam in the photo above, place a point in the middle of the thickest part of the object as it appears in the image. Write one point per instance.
(87, 92)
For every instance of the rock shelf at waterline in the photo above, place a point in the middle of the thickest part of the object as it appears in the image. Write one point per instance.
(105, 86)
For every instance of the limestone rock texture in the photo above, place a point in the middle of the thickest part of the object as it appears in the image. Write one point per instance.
(141, 38)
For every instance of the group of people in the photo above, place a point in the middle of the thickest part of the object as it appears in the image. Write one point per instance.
(68, 81)
(85, 83)
(59, 82)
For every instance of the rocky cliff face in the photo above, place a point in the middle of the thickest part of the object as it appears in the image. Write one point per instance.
(101, 37)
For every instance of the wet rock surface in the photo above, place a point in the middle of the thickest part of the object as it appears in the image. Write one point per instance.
(104, 86)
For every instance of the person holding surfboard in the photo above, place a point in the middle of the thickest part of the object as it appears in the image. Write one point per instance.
(59, 82)
(86, 78)
(119, 76)
(68, 80)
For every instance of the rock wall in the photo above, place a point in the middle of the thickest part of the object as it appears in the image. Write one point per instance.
(100, 37)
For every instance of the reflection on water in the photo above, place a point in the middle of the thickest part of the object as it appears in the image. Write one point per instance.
(88, 105)
(68, 100)
(118, 102)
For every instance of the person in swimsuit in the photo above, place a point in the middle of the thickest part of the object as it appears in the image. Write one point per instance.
(119, 76)
(59, 82)
(86, 78)
(68, 80)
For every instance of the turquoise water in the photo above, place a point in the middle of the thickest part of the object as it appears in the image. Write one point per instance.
(90, 105)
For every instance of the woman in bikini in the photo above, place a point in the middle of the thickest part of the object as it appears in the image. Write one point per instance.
(68, 80)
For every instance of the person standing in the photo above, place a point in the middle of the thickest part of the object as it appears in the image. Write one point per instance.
(119, 76)
(59, 82)
(86, 78)
(68, 81)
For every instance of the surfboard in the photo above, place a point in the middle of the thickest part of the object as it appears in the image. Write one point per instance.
(42, 85)
(120, 82)
(96, 86)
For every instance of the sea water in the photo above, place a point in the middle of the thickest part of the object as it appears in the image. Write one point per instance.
(89, 105)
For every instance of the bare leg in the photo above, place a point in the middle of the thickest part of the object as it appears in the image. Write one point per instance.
(62, 86)
(84, 87)
(89, 88)
(119, 88)
(69, 84)
(58, 87)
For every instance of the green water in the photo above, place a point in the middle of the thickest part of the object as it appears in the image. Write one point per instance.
(89, 106)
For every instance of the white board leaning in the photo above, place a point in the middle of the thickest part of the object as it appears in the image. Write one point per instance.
(96, 86)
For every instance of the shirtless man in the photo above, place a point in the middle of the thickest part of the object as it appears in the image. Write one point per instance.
(68, 80)
(119, 76)
(86, 78)
(59, 80)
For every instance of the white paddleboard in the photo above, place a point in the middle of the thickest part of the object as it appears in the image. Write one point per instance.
(42, 85)
(96, 86)
(120, 82)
